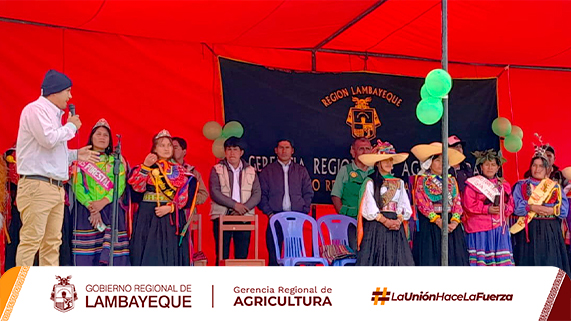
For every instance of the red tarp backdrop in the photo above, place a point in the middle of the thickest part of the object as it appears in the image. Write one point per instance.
(149, 65)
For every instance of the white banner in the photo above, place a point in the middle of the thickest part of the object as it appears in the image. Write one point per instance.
(267, 293)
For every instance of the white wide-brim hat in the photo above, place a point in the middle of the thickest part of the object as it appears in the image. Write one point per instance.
(425, 151)
(381, 152)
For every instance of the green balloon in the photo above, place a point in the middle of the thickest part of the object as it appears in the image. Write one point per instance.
(429, 110)
(517, 131)
(424, 93)
(218, 147)
(513, 143)
(232, 129)
(502, 126)
(438, 83)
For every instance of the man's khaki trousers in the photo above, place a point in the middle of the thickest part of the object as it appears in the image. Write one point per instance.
(41, 206)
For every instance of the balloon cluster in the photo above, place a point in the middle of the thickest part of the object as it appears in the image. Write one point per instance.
(437, 84)
(214, 131)
(513, 135)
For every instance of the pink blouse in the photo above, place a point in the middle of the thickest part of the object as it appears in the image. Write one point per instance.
(476, 205)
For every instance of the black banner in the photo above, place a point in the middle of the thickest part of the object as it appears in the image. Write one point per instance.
(322, 112)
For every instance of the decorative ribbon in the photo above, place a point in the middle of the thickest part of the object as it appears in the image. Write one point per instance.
(503, 221)
(191, 212)
(97, 174)
(485, 186)
(539, 195)
(5, 229)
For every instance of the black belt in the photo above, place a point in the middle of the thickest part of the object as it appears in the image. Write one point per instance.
(43, 178)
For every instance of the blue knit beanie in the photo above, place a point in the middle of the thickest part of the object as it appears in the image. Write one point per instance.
(54, 82)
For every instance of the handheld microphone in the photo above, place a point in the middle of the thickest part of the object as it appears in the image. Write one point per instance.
(72, 109)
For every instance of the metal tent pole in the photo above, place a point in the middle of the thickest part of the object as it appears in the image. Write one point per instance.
(445, 165)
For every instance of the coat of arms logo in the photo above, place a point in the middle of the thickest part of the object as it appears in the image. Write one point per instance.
(63, 294)
(363, 119)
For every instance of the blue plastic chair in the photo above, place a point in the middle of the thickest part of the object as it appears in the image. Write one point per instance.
(337, 226)
(294, 245)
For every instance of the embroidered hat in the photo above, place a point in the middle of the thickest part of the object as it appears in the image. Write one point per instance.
(163, 133)
(425, 151)
(54, 82)
(102, 123)
(383, 151)
(541, 149)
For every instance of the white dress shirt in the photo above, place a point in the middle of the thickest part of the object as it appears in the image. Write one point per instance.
(236, 195)
(370, 209)
(286, 204)
(41, 148)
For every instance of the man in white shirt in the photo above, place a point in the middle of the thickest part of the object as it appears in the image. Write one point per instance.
(43, 164)
(286, 186)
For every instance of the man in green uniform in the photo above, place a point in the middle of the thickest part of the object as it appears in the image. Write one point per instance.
(345, 192)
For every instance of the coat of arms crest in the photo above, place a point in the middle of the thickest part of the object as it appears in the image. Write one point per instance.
(63, 294)
(363, 119)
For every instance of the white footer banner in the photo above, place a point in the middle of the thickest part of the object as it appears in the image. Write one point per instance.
(262, 293)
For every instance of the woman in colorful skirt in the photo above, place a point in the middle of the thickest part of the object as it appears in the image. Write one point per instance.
(540, 205)
(12, 220)
(427, 248)
(93, 188)
(4, 203)
(567, 191)
(487, 205)
(384, 206)
(160, 225)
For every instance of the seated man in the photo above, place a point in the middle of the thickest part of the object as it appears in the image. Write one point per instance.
(234, 190)
(286, 186)
(179, 145)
